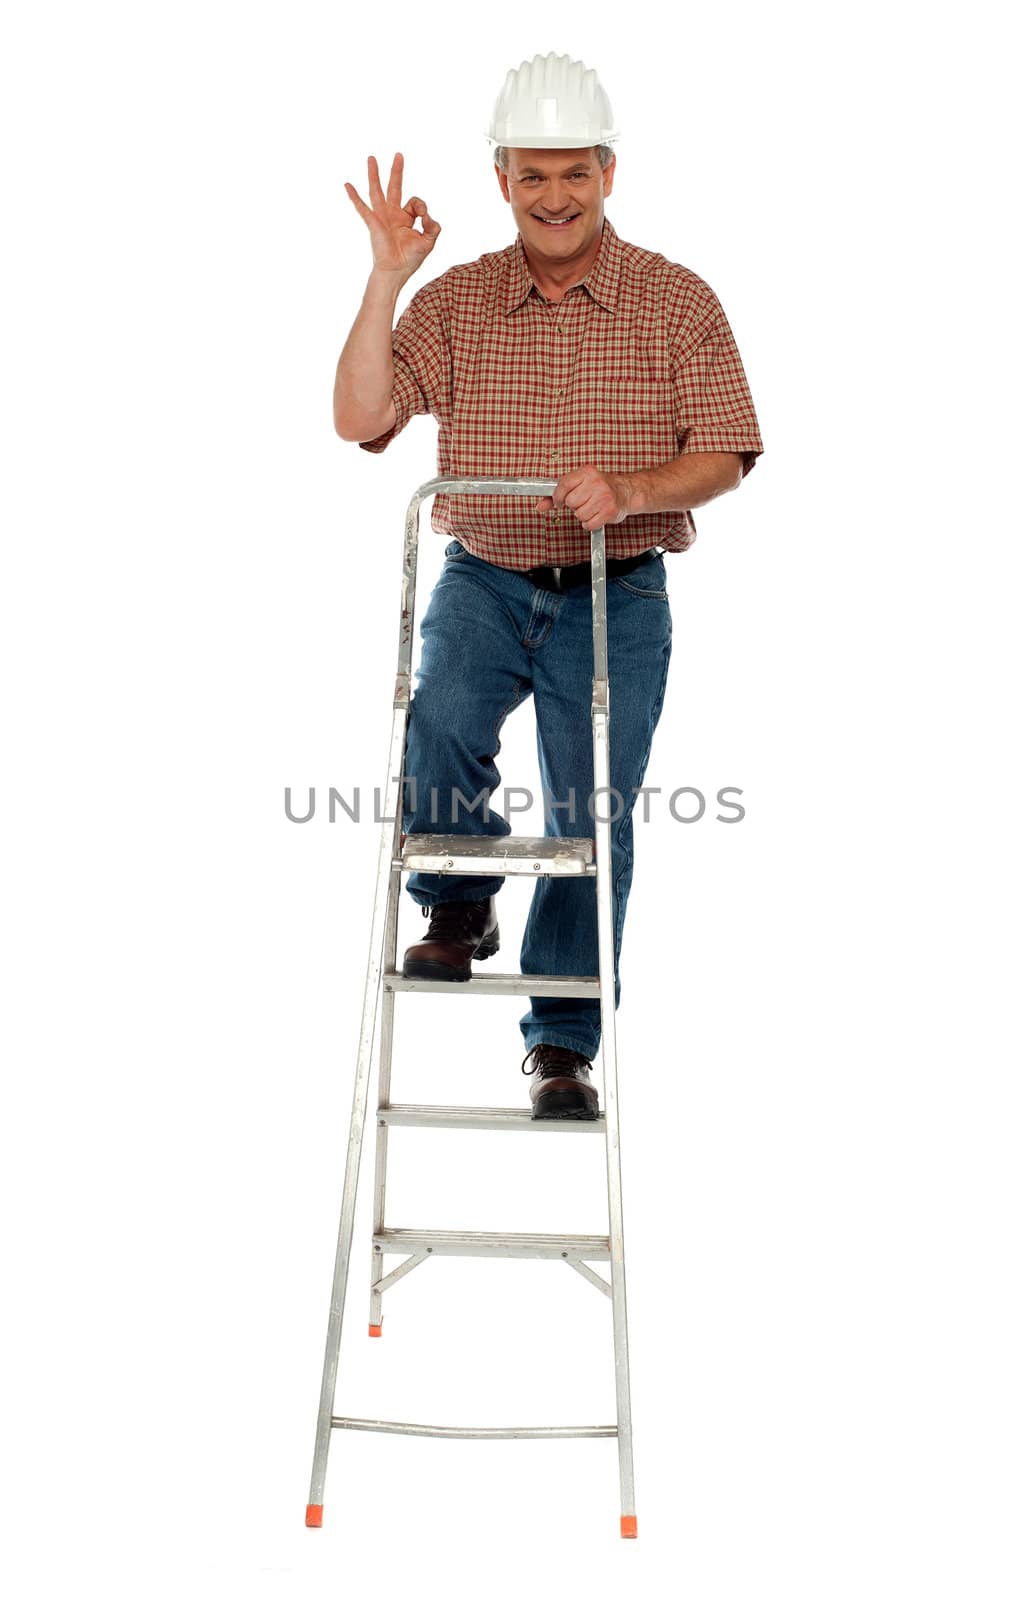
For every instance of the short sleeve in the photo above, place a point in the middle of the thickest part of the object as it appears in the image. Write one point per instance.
(421, 356)
(714, 408)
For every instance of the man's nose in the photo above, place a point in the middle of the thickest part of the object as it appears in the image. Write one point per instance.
(557, 198)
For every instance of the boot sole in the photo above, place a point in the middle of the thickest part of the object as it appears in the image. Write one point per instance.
(444, 974)
(564, 1103)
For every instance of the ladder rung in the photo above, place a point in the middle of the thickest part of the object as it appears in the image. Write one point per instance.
(448, 1242)
(497, 983)
(367, 1425)
(406, 1116)
(533, 857)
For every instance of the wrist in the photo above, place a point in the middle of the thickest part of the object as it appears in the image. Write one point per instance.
(384, 286)
(638, 493)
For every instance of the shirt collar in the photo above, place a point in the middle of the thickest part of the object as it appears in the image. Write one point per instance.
(602, 281)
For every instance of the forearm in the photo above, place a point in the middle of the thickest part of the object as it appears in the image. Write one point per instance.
(363, 388)
(684, 483)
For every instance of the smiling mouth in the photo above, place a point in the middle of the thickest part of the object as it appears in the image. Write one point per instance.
(558, 222)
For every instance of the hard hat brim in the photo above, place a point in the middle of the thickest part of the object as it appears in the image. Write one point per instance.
(548, 141)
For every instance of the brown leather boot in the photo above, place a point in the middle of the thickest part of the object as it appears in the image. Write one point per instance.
(562, 1087)
(460, 932)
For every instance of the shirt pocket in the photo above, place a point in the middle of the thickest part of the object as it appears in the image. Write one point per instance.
(644, 432)
(644, 397)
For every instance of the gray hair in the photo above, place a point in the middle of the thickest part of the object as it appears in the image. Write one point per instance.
(604, 155)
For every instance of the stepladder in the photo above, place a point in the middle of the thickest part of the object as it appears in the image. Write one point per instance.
(508, 855)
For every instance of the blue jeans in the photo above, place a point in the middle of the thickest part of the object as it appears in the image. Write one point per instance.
(489, 640)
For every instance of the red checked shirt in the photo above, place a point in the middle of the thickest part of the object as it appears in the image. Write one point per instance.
(635, 366)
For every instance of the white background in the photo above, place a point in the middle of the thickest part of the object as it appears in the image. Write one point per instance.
(818, 1056)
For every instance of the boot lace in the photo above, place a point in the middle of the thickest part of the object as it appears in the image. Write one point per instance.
(553, 1059)
(455, 919)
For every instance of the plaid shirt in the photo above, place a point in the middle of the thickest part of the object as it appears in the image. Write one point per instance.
(635, 366)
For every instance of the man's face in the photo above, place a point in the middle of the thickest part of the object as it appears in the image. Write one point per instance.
(557, 199)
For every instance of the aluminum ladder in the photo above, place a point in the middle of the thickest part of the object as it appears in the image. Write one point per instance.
(526, 857)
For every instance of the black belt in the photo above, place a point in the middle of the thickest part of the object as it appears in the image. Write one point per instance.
(557, 578)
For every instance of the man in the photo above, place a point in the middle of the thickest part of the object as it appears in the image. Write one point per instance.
(570, 355)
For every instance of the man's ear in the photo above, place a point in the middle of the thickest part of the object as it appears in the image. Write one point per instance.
(501, 178)
(608, 176)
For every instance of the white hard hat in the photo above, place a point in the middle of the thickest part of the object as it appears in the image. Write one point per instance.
(551, 103)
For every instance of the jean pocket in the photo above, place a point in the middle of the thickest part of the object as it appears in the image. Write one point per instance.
(648, 580)
(455, 551)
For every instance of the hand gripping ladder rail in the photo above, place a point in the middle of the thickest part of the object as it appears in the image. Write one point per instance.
(450, 853)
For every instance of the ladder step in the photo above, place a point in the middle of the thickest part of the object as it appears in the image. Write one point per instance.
(606, 1430)
(406, 1116)
(447, 1242)
(532, 857)
(497, 983)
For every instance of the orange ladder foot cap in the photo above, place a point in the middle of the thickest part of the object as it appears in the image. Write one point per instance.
(313, 1516)
(629, 1527)
(375, 1330)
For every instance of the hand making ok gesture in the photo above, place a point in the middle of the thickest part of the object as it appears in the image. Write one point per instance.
(397, 246)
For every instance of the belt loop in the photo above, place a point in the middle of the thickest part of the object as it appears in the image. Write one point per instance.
(556, 577)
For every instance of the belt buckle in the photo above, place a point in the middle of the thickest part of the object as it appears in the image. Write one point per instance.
(556, 571)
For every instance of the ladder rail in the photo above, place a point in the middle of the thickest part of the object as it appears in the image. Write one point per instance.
(607, 1012)
(370, 1007)
(385, 1003)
